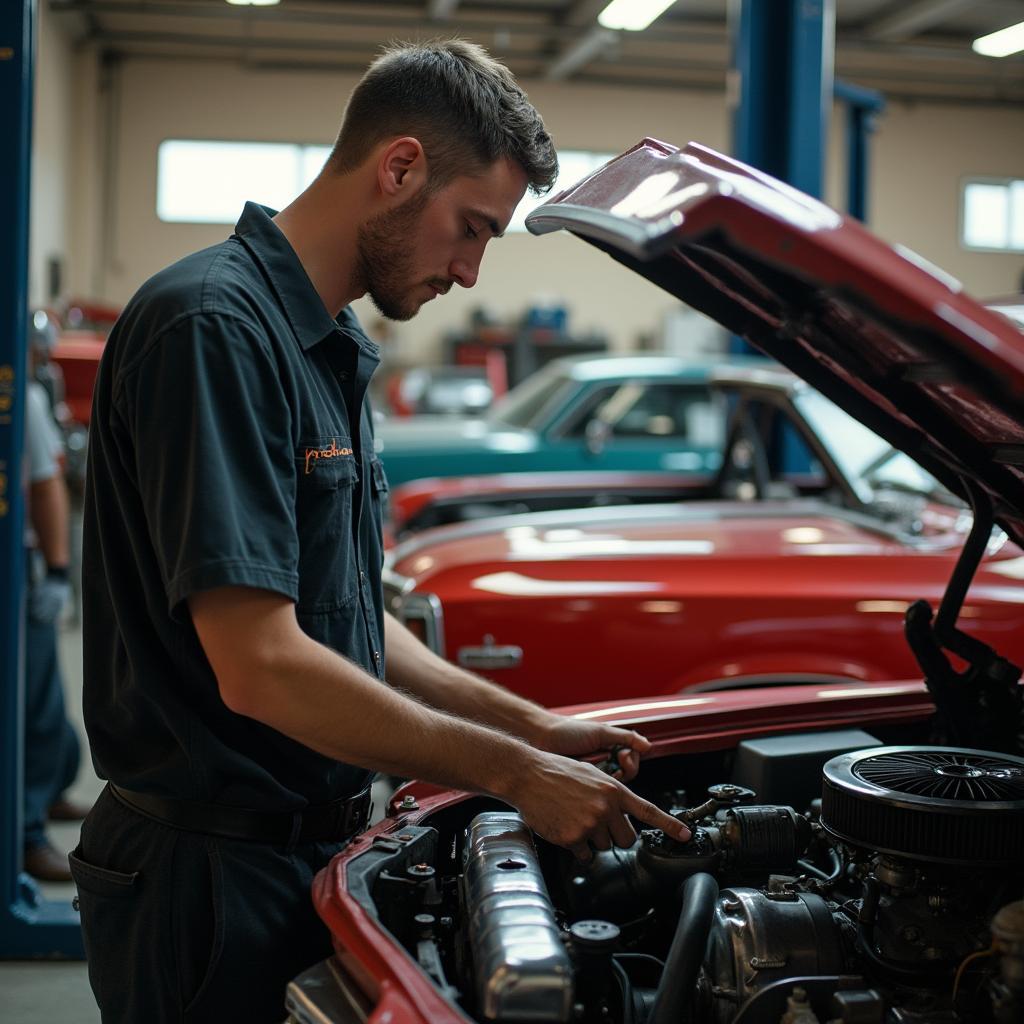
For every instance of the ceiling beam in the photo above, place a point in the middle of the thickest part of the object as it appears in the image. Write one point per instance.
(581, 52)
(584, 12)
(1006, 98)
(529, 22)
(117, 39)
(914, 18)
(441, 10)
(583, 38)
(356, 15)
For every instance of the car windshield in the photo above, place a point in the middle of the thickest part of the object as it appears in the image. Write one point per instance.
(869, 462)
(524, 404)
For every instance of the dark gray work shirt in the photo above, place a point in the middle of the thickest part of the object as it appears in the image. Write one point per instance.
(230, 445)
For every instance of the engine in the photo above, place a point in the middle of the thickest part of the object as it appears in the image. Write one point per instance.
(894, 897)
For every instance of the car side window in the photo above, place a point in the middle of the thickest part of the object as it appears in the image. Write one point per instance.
(791, 463)
(652, 410)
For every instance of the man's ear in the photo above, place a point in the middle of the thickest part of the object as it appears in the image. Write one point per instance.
(402, 168)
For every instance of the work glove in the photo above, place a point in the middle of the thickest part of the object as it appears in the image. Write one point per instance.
(47, 597)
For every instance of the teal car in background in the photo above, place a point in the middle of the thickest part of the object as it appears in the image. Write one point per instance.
(637, 412)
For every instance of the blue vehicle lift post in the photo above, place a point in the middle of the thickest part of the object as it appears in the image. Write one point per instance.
(30, 926)
(781, 85)
(862, 108)
(781, 82)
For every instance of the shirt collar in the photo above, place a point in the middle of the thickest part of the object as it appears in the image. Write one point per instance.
(302, 306)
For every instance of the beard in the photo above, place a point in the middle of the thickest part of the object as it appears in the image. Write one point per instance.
(385, 258)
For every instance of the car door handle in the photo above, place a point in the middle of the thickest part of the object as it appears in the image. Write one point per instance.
(490, 656)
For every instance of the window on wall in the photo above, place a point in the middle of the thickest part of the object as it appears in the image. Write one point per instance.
(208, 182)
(993, 214)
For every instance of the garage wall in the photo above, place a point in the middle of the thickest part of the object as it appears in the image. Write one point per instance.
(156, 100)
(920, 155)
(49, 217)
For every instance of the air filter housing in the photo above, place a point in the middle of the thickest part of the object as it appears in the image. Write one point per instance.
(944, 805)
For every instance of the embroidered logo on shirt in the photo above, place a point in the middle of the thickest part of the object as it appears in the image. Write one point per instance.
(314, 455)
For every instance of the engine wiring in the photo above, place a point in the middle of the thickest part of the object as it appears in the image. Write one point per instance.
(966, 961)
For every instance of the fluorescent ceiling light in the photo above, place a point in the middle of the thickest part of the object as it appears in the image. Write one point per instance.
(632, 15)
(1001, 43)
(254, 3)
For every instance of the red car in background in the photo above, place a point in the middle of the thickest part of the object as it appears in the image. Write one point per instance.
(440, 501)
(78, 354)
(798, 559)
(856, 849)
(75, 360)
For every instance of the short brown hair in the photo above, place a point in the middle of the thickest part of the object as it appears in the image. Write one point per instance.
(464, 107)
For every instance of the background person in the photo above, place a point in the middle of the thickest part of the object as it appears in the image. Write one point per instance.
(51, 743)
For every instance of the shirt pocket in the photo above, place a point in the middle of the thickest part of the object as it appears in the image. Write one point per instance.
(326, 479)
(380, 484)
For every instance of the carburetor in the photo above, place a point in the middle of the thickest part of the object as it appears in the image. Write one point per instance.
(729, 833)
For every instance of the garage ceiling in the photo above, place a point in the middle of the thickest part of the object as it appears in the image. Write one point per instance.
(905, 48)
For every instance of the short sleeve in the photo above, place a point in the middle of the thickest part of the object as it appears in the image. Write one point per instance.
(210, 426)
(42, 442)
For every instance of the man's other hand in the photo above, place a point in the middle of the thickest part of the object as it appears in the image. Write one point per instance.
(572, 737)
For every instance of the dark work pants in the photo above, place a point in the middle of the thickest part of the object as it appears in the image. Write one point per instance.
(51, 744)
(186, 927)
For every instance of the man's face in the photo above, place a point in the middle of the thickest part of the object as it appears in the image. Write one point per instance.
(415, 251)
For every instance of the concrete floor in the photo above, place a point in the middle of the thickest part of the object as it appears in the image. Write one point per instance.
(58, 992)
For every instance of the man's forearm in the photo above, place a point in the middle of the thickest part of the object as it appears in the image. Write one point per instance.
(269, 670)
(48, 507)
(414, 668)
(328, 704)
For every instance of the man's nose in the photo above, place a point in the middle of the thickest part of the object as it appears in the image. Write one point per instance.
(465, 272)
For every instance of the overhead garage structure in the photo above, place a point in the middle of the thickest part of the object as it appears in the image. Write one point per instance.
(904, 49)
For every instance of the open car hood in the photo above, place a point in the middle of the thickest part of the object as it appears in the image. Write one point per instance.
(891, 339)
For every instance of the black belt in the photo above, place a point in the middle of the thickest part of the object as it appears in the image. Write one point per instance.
(319, 823)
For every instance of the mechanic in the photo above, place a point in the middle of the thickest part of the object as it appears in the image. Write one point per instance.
(235, 630)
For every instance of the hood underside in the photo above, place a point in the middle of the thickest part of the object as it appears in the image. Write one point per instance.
(892, 340)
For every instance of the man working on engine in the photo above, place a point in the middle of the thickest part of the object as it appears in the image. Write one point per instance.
(237, 692)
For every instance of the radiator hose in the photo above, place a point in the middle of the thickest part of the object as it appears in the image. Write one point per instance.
(674, 1002)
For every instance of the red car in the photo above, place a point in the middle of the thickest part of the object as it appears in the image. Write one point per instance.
(439, 501)
(78, 355)
(856, 849)
(759, 572)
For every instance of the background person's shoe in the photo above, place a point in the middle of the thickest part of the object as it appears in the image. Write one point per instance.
(64, 809)
(47, 864)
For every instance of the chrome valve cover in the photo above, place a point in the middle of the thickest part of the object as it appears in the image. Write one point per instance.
(521, 968)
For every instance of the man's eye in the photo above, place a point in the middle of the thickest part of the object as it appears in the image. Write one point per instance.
(470, 232)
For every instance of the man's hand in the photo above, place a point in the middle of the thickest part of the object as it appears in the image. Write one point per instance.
(573, 804)
(413, 668)
(575, 738)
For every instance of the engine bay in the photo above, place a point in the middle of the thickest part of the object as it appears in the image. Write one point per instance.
(833, 876)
